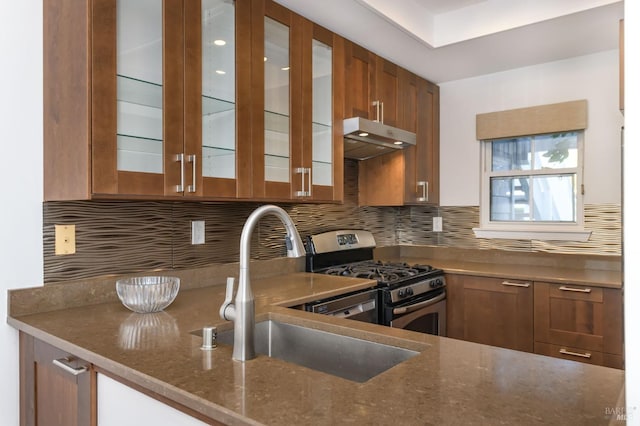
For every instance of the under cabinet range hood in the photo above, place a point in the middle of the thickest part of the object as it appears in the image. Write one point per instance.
(365, 139)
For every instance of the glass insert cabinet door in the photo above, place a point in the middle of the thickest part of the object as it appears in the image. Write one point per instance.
(139, 86)
(277, 140)
(322, 122)
(218, 89)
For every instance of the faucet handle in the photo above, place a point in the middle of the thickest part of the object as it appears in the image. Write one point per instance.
(229, 316)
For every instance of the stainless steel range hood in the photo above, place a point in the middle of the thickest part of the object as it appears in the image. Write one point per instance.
(365, 139)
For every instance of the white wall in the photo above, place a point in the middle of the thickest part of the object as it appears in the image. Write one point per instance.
(592, 77)
(21, 174)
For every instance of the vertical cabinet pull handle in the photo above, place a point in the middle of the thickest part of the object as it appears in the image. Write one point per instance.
(583, 355)
(577, 290)
(192, 159)
(64, 363)
(425, 191)
(304, 171)
(512, 284)
(379, 111)
(180, 158)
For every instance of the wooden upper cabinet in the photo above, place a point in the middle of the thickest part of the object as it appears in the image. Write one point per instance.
(492, 311)
(410, 176)
(372, 86)
(297, 82)
(174, 99)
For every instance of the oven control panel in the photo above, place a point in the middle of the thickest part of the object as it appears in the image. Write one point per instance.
(347, 239)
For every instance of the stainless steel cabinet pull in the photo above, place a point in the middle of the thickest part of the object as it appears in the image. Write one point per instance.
(180, 158)
(192, 159)
(510, 284)
(566, 352)
(379, 111)
(64, 363)
(577, 290)
(303, 172)
(425, 191)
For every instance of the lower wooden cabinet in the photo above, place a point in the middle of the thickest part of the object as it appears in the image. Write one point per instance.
(56, 388)
(492, 311)
(579, 322)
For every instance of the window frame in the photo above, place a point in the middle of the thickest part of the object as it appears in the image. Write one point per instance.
(543, 230)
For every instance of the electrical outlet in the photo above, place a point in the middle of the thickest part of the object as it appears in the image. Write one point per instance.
(437, 224)
(65, 239)
(197, 232)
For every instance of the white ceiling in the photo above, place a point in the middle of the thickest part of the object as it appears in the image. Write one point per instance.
(445, 40)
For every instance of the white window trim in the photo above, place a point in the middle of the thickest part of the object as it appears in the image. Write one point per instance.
(530, 231)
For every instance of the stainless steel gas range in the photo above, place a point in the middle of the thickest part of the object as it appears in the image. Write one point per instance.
(406, 296)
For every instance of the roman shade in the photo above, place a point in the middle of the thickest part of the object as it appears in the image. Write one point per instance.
(551, 118)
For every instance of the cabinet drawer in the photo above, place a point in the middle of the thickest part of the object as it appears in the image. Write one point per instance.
(578, 354)
(578, 316)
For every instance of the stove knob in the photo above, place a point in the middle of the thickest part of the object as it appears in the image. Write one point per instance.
(401, 293)
(439, 282)
(409, 292)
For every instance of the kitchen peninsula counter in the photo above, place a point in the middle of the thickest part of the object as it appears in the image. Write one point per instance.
(449, 382)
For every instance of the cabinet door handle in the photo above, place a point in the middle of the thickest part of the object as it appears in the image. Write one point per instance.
(64, 363)
(379, 111)
(425, 191)
(180, 158)
(577, 290)
(566, 352)
(304, 171)
(192, 159)
(512, 284)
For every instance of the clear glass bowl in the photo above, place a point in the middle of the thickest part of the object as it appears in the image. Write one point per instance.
(147, 294)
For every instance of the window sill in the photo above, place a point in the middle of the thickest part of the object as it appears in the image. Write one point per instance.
(536, 234)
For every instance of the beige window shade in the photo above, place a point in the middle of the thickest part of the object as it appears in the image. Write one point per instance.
(535, 120)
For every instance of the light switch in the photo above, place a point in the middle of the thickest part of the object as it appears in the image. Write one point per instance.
(437, 224)
(197, 232)
(65, 239)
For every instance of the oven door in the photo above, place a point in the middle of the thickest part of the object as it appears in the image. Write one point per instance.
(424, 315)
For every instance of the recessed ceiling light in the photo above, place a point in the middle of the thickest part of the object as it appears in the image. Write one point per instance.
(221, 72)
(265, 59)
(363, 134)
(219, 42)
(397, 143)
(285, 68)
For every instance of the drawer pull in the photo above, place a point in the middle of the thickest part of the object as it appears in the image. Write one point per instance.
(584, 355)
(510, 284)
(64, 364)
(577, 290)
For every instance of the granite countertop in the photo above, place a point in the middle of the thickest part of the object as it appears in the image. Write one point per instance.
(552, 274)
(449, 382)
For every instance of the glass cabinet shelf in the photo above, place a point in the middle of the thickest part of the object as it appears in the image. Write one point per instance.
(211, 105)
(139, 92)
(276, 122)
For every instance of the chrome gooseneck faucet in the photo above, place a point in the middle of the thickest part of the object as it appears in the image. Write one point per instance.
(242, 311)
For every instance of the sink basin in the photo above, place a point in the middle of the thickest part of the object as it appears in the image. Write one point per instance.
(343, 356)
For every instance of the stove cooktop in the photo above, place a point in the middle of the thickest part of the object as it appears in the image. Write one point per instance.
(386, 273)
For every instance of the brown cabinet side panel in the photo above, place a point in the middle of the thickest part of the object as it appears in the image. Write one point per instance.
(66, 100)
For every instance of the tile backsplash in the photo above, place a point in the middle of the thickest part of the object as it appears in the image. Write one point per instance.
(119, 237)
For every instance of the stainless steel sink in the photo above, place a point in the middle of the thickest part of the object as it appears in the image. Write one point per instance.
(343, 356)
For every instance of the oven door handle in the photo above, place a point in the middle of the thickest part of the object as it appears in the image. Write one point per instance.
(420, 305)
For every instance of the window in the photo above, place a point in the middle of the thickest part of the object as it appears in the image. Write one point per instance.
(532, 187)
